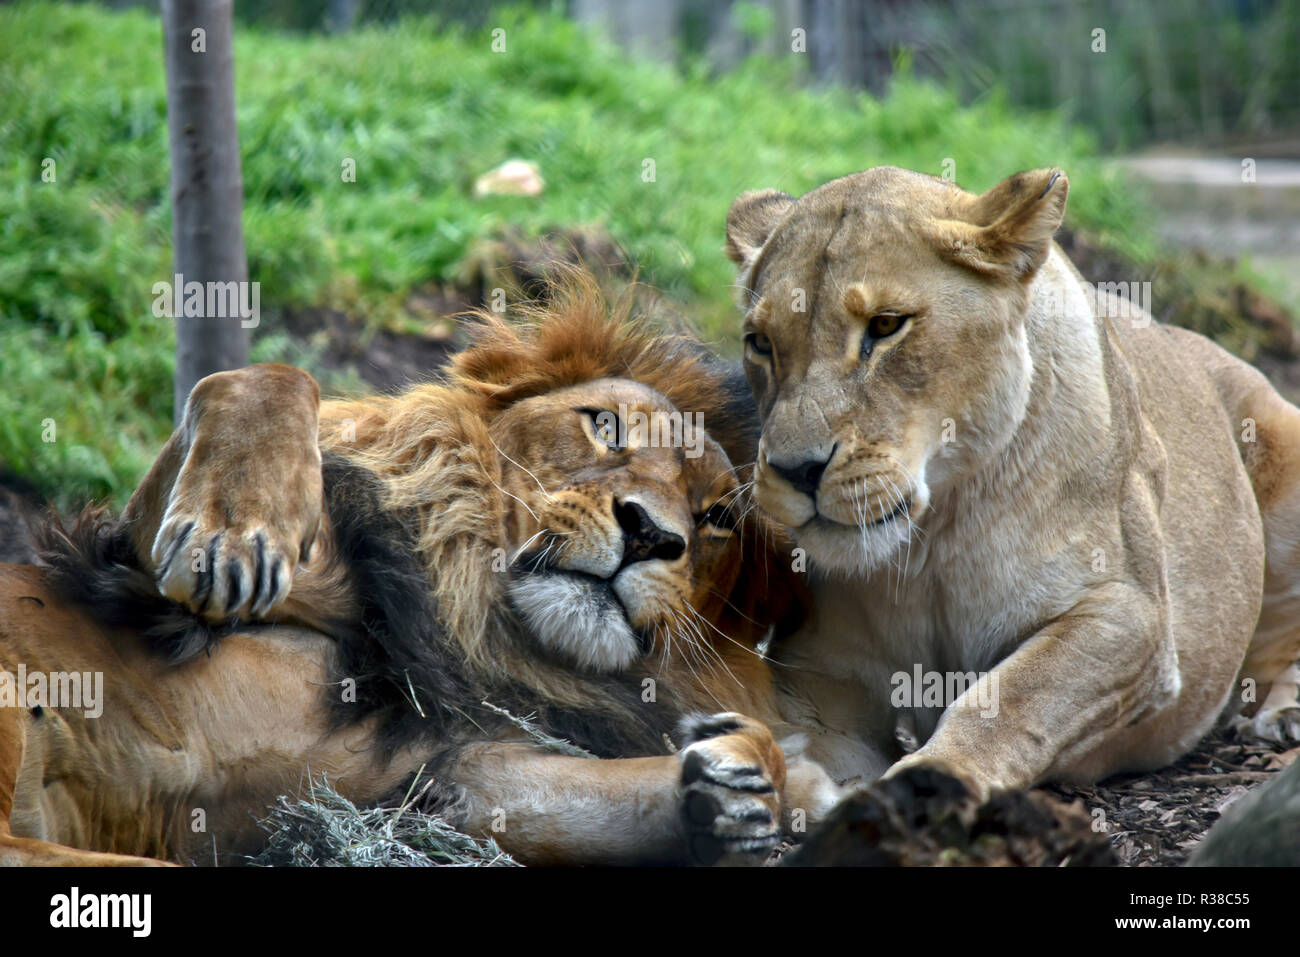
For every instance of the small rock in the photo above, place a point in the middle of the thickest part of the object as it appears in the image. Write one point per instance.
(512, 178)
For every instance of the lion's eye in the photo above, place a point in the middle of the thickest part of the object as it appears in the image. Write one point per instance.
(885, 324)
(759, 343)
(719, 515)
(606, 426)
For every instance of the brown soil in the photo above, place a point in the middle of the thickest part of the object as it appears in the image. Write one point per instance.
(519, 266)
(1157, 818)
(385, 360)
(925, 819)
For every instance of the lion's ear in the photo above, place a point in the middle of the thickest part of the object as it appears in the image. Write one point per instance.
(750, 221)
(1008, 230)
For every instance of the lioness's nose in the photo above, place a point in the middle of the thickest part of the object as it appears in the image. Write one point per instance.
(642, 538)
(805, 477)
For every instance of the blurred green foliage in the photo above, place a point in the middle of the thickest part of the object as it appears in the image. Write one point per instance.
(1132, 71)
(423, 109)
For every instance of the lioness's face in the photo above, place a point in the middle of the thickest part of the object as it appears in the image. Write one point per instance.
(886, 346)
(621, 523)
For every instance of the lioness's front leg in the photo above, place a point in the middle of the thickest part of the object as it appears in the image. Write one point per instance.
(1050, 714)
(718, 800)
(233, 503)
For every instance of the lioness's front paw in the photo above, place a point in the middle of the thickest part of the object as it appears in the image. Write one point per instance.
(732, 775)
(925, 765)
(225, 572)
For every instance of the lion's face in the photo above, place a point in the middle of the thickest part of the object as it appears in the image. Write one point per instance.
(620, 522)
(886, 345)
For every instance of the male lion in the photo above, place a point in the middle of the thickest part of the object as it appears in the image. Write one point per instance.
(500, 537)
(1090, 519)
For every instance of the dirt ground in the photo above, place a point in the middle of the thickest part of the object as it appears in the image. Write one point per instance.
(924, 818)
(1158, 818)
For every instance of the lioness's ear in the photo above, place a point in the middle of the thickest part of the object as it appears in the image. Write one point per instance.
(1008, 230)
(750, 221)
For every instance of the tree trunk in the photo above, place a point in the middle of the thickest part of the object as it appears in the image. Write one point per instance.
(644, 28)
(342, 15)
(207, 187)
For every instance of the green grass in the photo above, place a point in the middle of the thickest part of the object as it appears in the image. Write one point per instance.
(423, 110)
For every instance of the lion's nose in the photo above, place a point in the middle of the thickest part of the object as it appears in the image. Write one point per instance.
(642, 538)
(805, 477)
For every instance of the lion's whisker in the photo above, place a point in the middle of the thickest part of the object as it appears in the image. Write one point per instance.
(696, 640)
(741, 645)
(524, 547)
(686, 660)
(518, 466)
(517, 499)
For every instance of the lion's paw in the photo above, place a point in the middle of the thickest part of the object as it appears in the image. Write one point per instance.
(732, 774)
(245, 506)
(223, 573)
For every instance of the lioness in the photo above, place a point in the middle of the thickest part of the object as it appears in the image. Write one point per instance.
(1089, 518)
(503, 536)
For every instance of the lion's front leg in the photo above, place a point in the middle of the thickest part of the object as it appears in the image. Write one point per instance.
(1065, 703)
(717, 801)
(233, 503)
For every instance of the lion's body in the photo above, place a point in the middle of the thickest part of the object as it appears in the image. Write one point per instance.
(372, 660)
(182, 756)
(1080, 490)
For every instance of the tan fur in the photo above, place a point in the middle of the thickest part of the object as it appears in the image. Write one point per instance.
(493, 457)
(222, 735)
(1074, 510)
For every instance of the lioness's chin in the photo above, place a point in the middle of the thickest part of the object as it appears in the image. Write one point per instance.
(576, 618)
(854, 549)
(848, 548)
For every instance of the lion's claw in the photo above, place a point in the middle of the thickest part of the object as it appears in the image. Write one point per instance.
(224, 573)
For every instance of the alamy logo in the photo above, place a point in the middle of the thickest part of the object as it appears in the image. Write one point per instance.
(637, 430)
(208, 300)
(945, 689)
(53, 689)
(74, 909)
(1124, 300)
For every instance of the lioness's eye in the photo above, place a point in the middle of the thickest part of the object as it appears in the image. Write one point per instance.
(719, 515)
(605, 424)
(760, 343)
(885, 324)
